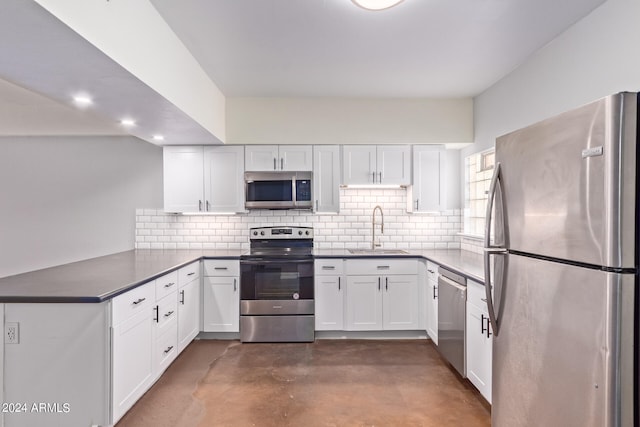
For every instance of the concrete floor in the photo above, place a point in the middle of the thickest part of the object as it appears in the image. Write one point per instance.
(326, 383)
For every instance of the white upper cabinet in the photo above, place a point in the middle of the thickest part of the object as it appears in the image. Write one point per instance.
(394, 164)
(436, 179)
(224, 179)
(203, 179)
(183, 183)
(269, 158)
(326, 178)
(376, 164)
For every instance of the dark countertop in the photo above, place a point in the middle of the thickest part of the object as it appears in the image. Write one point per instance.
(99, 279)
(467, 263)
(102, 278)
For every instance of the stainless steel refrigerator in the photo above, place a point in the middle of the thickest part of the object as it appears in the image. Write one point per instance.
(563, 252)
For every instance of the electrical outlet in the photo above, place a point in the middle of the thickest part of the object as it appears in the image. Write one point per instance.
(11, 333)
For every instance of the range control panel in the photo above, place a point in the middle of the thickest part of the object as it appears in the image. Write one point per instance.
(281, 233)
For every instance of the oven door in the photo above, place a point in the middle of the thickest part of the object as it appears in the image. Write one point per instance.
(276, 286)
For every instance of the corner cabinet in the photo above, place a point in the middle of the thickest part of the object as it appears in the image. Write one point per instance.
(436, 179)
(269, 158)
(479, 340)
(376, 164)
(431, 302)
(188, 304)
(203, 179)
(326, 178)
(382, 294)
(183, 178)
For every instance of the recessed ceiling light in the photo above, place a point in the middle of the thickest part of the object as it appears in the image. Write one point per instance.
(158, 138)
(127, 122)
(82, 100)
(376, 4)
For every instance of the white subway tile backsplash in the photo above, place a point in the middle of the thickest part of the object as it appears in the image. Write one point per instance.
(350, 229)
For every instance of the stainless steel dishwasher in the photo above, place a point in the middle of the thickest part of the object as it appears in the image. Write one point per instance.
(452, 309)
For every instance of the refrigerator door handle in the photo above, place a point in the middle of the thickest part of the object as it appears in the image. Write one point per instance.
(490, 249)
(495, 183)
(487, 286)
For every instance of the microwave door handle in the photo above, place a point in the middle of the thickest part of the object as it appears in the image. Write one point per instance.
(294, 196)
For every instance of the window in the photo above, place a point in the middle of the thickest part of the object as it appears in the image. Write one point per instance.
(478, 170)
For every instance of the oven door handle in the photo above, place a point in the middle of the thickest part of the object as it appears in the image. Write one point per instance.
(271, 261)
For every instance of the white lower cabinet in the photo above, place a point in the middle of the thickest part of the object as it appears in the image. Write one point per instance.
(329, 294)
(132, 347)
(221, 296)
(188, 304)
(382, 301)
(479, 340)
(188, 313)
(431, 302)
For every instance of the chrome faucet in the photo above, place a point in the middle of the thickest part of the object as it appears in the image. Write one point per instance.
(373, 226)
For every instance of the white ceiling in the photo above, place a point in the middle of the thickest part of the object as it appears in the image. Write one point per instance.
(420, 48)
(284, 48)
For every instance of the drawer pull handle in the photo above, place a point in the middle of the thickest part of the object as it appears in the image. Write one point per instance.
(182, 297)
(383, 267)
(431, 271)
(338, 282)
(168, 349)
(169, 313)
(168, 285)
(235, 286)
(220, 268)
(157, 310)
(191, 274)
(328, 267)
(138, 301)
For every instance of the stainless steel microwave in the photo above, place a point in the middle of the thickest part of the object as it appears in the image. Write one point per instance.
(278, 190)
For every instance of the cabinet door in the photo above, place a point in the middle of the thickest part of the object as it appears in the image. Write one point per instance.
(393, 164)
(329, 303)
(359, 164)
(326, 178)
(427, 172)
(188, 313)
(221, 304)
(400, 302)
(132, 371)
(224, 179)
(479, 350)
(183, 179)
(432, 310)
(295, 158)
(364, 303)
(261, 158)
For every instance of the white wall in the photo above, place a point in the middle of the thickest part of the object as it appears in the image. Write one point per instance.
(349, 121)
(595, 57)
(64, 199)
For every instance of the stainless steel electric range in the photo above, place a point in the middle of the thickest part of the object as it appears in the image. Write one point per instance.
(276, 286)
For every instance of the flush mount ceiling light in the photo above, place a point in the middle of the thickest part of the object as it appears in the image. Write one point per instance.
(158, 138)
(127, 122)
(376, 4)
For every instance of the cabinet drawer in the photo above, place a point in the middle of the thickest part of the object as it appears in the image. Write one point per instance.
(329, 267)
(166, 285)
(165, 312)
(381, 266)
(221, 267)
(476, 295)
(189, 273)
(432, 271)
(165, 349)
(133, 302)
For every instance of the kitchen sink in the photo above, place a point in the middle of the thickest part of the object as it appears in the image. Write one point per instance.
(377, 251)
